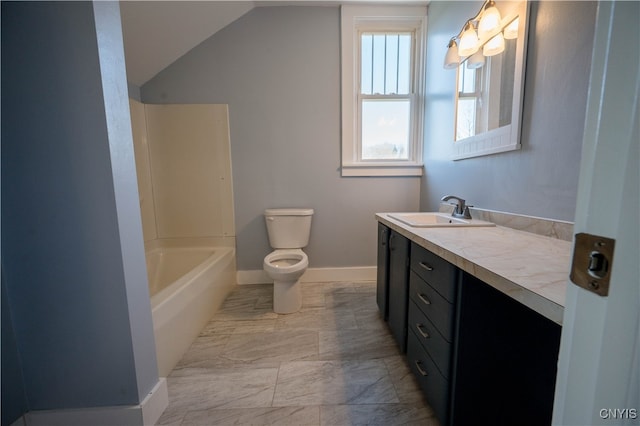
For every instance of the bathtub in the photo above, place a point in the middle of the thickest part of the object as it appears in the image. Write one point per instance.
(188, 281)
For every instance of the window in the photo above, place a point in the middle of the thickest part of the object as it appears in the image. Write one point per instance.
(469, 98)
(382, 80)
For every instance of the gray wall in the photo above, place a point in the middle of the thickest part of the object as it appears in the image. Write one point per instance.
(542, 178)
(72, 249)
(278, 68)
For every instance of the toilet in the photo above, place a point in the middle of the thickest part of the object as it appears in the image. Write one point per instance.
(288, 231)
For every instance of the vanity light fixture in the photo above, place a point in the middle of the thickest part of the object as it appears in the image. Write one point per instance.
(468, 41)
(476, 60)
(511, 30)
(452, 58)
(490, 20)
(494, 46)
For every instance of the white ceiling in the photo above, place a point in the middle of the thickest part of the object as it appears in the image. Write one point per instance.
(156, 33)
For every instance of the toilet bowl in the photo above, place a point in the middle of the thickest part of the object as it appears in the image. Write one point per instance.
(288, 231)
(285, 267)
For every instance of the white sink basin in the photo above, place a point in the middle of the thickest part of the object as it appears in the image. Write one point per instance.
(436, 220)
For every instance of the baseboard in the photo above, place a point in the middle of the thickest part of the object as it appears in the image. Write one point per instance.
(315, 275)
(146, 413)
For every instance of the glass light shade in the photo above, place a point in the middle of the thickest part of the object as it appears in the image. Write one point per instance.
(476, 60)
(494, 46)
(469, 41)
(452, 59)
(511, 31)
(489, 22)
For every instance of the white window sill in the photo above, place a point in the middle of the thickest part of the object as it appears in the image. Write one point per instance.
(382, 169)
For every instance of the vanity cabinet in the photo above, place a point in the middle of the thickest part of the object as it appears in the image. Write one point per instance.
(479, 356)
(433, 287)
(393, 284)
(505, 360)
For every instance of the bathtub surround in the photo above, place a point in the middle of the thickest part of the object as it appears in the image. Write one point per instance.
(72, 246)
(183, 163)
(186, 200)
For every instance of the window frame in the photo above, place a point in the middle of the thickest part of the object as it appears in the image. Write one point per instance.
(356, 20)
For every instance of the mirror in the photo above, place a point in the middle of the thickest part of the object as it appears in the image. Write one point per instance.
(488, 99)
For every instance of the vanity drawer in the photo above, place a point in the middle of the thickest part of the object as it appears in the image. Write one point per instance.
(430, 339)
(432, 304)
(439, 273)
(434, 385)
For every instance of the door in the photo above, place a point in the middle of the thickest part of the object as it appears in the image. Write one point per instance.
(382, 290)
(398, 287)
(598, 372)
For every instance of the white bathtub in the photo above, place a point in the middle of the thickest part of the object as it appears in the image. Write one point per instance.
(188, 281)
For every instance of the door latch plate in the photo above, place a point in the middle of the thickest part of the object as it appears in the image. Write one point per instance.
(592, 261)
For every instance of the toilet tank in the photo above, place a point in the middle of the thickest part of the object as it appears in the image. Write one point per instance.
(288, 228)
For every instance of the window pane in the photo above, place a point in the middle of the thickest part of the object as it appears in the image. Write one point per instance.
(385, 66)
(467, 79)
(391, 64)
(378, 63)
(404, 64)
(366, 59)
(385, 129)
(466, 120)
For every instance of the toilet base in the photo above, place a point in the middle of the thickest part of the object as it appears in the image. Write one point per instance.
(287, 297)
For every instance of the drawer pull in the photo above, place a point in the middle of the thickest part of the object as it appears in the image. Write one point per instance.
(425, 266)
(424, 299)
(421, 370)
(422, 331)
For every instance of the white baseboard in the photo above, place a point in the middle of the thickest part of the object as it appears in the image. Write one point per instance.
(314, 275)
(146, 413)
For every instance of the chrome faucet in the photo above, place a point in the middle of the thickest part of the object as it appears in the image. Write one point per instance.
(461, 209)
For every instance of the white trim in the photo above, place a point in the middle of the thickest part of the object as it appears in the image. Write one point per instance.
(354, 273)
(146, 413)
(352, 18)
(377, 169)
(491, 142)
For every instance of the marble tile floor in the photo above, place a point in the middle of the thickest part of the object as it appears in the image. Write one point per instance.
(332, 363)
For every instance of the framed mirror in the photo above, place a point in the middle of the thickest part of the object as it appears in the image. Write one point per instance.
(489, 89)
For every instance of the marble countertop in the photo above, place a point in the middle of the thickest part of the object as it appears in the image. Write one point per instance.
(530, 268)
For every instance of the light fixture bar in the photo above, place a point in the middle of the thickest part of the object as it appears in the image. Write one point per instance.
(484, 29)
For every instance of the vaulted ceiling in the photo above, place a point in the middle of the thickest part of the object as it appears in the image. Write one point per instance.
(156, 33)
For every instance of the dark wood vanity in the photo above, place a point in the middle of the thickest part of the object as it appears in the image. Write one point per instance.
(480, 356)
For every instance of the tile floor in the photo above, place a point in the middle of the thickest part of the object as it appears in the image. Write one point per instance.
(332, 363)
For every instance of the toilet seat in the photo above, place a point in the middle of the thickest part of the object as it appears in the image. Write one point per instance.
(287, 265)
